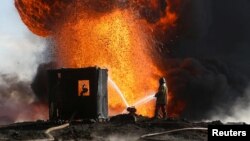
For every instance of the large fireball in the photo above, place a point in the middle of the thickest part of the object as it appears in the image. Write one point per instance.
(117, 35)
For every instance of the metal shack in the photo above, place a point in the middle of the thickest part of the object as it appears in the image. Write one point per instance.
(78, 93)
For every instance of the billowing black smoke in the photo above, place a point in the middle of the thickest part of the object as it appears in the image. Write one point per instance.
(17, 101)
(205, 86)
(210, 64)
(40, 82)
(11, 90)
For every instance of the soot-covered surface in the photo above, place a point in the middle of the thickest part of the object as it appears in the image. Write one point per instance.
(119, 128)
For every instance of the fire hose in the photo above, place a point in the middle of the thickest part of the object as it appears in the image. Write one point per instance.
(47, 132)
(146, 136)
(49, 135)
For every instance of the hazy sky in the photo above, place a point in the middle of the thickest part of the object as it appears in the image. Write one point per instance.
(20, 53)
(19, 48)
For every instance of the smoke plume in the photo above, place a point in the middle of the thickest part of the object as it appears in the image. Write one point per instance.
(239, 111)
(20, 58)
(206, 86)
(212, 70)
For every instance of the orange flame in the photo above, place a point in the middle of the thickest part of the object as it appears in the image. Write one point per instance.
(115, 41)
(119, 40)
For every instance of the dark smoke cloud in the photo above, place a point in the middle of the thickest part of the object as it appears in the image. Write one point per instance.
(218, 29)
(152, 15)
(40, 81)
(15, 97)
(205, 85)
(213, 68)
(20, 55)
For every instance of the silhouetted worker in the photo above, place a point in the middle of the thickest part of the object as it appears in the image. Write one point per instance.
(161, 101)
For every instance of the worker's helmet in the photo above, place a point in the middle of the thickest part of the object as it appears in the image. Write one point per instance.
(162, 80)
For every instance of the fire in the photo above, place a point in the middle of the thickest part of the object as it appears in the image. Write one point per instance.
(40, 15)
(116, 41)
(112, 35)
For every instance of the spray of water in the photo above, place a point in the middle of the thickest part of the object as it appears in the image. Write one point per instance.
(136, 104)
(141, 102)
(144, 100)
(112, 83)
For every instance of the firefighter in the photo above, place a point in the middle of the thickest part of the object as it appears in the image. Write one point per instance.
(161, 98)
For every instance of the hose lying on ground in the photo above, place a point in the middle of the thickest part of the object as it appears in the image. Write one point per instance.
(50, 136)
(170, 131)
(47, 132)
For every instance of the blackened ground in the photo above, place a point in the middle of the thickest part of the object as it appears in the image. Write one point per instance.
(114, 130)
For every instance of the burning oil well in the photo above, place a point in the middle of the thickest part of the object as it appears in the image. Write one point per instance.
(118, 35)
(134, 40)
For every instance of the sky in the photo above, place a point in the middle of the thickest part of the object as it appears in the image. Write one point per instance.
(20, 50)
